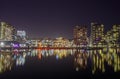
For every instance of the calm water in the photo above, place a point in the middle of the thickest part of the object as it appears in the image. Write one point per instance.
(64, 64)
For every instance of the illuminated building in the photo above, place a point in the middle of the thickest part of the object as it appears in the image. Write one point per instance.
(116, 34)
(113, 36)
(61, 42)
(108, 36)
(21, 36)
(34, 42)
(97, 33)
(47, 42)
(21, 33)
(80, 35)
(6, 31)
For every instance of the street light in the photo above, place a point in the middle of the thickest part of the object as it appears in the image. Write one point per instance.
(2, 44)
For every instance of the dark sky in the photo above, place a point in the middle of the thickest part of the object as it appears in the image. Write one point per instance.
(48, 18)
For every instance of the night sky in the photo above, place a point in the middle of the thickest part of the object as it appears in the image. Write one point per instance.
(48, 18)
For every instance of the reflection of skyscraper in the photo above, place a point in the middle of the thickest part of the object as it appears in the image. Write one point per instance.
(80, 60)
(97, 33)
(80, 35)
(20, 61)
(6, 62)
(6, 31)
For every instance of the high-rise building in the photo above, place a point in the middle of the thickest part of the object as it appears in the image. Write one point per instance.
(97, 33)
(80, 35)
(116, 32)
(21, 36)
(113, 36)
(6, 31)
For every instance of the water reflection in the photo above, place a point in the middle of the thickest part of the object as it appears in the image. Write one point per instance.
(96, 60)
(101, 60)
(20, 59)
(81, 57)
(6, 62)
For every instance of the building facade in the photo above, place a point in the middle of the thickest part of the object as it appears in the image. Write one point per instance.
(6, 31)
(113, 36)
(61, 42)
(97, 34)
(21, 36)
(80, 35)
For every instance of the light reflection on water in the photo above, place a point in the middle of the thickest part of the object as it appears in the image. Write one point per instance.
(95, 60)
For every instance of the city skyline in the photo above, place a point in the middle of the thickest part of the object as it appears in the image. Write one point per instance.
(10, 36)
(10, 31)
(58, 18)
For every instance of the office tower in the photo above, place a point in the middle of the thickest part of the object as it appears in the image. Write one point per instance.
(116, 35)
(97, 33)
(6, 31)
(80, 35)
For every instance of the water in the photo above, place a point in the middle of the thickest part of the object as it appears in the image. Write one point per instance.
(55, 63)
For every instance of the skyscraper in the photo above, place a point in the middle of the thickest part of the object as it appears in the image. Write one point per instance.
(113, 36)
(80, 35)
(97, 33)
(6, 31)
(116, 32)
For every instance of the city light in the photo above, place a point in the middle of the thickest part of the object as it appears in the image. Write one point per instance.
(2, 44)
(97, 38)
(100, 47)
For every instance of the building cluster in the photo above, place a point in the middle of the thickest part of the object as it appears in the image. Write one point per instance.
(6, 31)
(48, 42)
(98, 37)
(9, 36)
